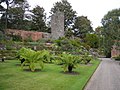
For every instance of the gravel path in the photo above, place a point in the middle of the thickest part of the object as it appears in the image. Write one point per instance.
(106, 77)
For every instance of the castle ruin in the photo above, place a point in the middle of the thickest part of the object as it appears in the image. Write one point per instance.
(57, 25)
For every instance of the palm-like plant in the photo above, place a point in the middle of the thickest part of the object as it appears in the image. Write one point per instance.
(46, 56)
(31, 58)
(19, 54)
(86, 58)
(69, 61)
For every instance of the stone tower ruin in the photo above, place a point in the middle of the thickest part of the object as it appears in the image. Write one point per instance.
(57, 25)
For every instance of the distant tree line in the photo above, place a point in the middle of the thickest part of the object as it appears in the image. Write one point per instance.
(109, 32)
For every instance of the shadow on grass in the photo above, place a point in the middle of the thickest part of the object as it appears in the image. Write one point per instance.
(17, 64)
(28, 70)
(3, 62)
(89, 64)
(70, 73)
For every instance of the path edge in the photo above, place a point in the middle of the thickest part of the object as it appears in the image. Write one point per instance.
(91, 75)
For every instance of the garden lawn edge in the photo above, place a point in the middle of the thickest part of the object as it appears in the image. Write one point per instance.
(91, 76)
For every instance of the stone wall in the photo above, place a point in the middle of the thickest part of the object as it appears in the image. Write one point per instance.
(28, 34)
(115, 52)
(57, 25)
(57, 29)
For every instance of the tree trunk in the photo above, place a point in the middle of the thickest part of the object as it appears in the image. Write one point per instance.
(70, 67)
(22, 60)
(2, 59)
(88, 61)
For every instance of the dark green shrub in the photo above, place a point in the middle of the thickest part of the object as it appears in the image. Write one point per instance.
(66, 44)
(92, 40)
(117, 58)
(29, 39)
(86, 58)
(31, 58)
(68, 61)
(15, 37)
(2, 36)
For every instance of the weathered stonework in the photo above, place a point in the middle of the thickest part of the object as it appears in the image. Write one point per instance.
(46, 35)
(57, 25)
(57, 29)
(115, 52)
(28, 34)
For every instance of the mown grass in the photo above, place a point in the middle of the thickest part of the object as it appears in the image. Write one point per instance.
(12, 77)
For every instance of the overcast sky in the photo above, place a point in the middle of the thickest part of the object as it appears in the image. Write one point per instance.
(93, 9)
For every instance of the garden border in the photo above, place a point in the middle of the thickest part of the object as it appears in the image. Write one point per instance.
(91, 75)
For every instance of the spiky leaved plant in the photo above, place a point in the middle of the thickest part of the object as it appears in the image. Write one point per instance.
(46, 56)
(69, 61)
(31, 58)
(86, 58)
(20, 53)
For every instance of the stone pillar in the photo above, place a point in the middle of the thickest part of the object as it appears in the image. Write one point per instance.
(57, 25)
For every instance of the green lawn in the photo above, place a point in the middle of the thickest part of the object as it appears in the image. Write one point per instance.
(12, 77)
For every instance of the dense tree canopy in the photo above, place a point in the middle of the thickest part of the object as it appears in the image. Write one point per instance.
(82, 26)
(111, 24)
(39, 18)
(92, 40)
(99, 30)
(16, 15)
(13, 18)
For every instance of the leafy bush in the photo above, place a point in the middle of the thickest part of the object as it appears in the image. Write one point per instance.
(31, 58)
(15, 37)
(46, 56)
(117, 58)
(8, 54)
(69, 61)
(29, 39)
(66, 44)
(86, 58)
(2, 36)
(75, 42)
(92, 40)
